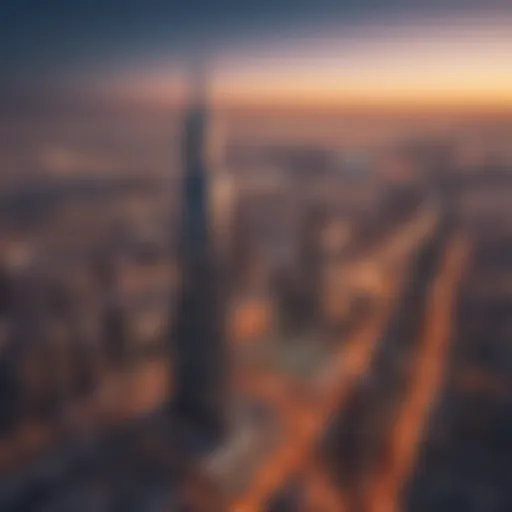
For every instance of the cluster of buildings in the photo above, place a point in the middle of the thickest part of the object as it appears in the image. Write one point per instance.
(261, 264)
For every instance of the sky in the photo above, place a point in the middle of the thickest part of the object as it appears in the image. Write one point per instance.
(446, 52)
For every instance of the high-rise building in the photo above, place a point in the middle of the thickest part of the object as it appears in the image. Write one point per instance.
(75, 353)
(243, 250)
(310, 262)
(10, 385)
(113, 319)
(32, 353)
(298, 287)
(198, 341)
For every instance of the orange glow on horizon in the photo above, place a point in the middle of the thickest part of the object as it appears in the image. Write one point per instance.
(287, 95)
(443, 65)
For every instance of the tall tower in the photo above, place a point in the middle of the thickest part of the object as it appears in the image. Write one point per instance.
(310, 263)
(198, 341)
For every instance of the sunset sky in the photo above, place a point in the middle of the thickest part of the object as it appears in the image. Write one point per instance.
(450, 52)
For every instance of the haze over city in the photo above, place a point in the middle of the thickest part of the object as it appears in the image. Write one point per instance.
(255, 256)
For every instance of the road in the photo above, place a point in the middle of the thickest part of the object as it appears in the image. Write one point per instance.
(429, 370)
(303, 419)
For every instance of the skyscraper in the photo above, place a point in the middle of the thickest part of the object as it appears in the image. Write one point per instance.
(199, 352)
(10, 384)
(298, 288)
(114, 323)
(310, 263)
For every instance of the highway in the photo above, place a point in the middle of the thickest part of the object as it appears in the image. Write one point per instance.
(430, 362)
(304, 420)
